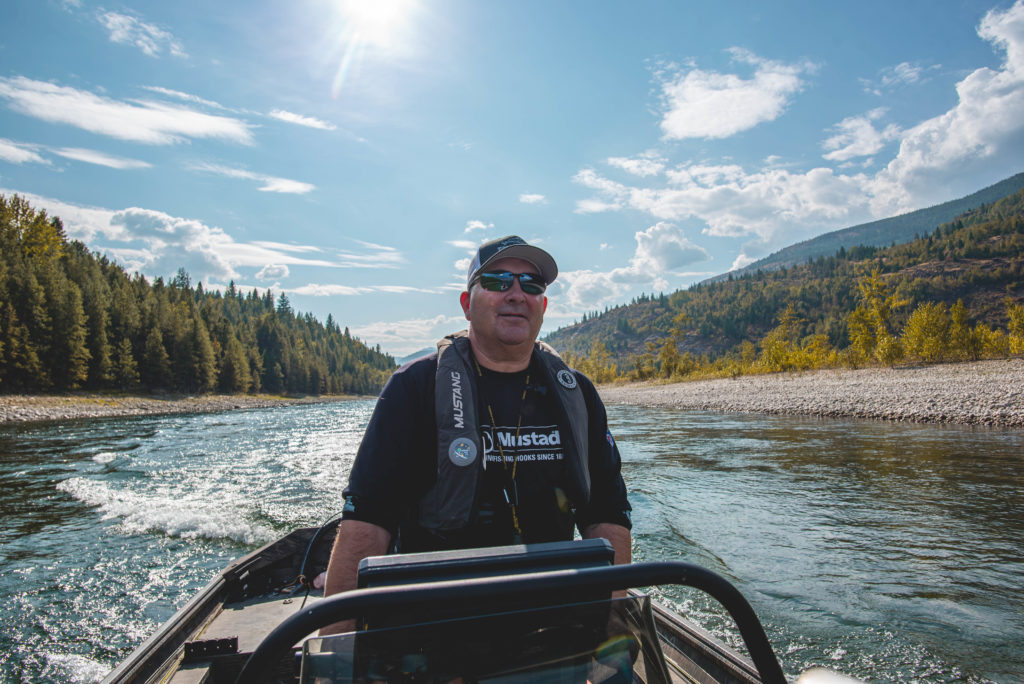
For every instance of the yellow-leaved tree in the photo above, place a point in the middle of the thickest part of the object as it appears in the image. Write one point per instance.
(873, 333)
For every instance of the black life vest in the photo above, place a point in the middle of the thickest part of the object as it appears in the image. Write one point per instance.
(451, 503)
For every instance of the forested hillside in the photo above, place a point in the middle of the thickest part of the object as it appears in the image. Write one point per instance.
(72, 319)
(895, 230)
(977, 259)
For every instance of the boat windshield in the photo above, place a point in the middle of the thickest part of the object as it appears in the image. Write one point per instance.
(604, 641)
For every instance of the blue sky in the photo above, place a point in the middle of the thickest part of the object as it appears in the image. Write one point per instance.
(351, 154)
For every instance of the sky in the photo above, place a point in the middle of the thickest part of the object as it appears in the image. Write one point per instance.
(353, 154)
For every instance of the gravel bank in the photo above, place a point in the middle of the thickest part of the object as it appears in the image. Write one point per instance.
(23, 408)
(979, 393)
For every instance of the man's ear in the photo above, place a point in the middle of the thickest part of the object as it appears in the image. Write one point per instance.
(545, 308)
(464, 301)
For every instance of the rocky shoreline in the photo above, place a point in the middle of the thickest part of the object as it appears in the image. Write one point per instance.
(979, 393)
(39, 408)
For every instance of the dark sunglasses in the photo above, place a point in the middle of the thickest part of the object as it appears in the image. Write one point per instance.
(531, 283)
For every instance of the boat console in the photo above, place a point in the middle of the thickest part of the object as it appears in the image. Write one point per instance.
(504, 614)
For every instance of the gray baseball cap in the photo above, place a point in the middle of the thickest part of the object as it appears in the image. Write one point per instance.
(513, 246)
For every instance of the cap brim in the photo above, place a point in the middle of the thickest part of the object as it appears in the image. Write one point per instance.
(544, 262)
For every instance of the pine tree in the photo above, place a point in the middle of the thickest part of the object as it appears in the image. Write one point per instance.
(125, 370)
(156, 364)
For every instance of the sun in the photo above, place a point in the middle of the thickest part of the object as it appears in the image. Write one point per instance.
(376, 24)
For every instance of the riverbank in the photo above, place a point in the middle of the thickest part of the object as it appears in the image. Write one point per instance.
(15, 408)
(978, 393)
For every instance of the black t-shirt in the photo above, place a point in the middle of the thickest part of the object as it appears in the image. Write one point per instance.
(397, 462)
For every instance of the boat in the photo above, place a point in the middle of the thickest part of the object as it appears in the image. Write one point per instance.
(540, 612)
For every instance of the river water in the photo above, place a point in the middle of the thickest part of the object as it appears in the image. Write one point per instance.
(885, 551)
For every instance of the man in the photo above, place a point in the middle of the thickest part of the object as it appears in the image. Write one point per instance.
(491, 441)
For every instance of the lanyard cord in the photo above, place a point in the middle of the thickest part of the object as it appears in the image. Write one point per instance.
(513, 501)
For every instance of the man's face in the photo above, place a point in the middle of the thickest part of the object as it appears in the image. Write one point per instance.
(511, 317)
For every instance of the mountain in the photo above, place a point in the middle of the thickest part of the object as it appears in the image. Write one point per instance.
(415, 355)
(895, 230)
(978, 257)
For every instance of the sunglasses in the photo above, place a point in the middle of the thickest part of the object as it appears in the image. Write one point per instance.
(531, 283)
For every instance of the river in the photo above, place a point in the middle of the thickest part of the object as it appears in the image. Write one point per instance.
(890, 552)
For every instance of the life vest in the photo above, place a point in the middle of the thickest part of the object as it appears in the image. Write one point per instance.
(451, 503)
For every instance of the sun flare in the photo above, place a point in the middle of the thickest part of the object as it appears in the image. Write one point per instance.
(376, 23)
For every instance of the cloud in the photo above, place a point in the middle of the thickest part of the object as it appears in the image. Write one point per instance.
(331, 290)
(647, 164)
(984, 131)
(411, 335)
(272, 272)
(100, 159)
(477, 225)
(662, 251)
(982, 136)
(856, 136)
(270, 183)
(128, 30)
(528, 198)
(901, 75)
(318, 290)
(152, 123)
(20, 153)
(733, 202)
(157, 244)
(300, 120)
(709, 104)
(187, 97)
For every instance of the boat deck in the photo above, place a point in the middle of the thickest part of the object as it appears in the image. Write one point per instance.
(250, 621)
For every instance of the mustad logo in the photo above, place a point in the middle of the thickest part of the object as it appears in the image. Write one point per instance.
(457, 413)
(507, 439)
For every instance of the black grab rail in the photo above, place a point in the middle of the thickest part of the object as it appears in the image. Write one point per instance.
(361, 601)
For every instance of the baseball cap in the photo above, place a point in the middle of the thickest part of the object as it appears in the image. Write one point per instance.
(513, 246)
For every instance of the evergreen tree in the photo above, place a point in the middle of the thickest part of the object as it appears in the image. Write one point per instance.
(156, 364)
(125, 371)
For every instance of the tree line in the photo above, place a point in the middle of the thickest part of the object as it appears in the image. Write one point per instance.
(953, 294)
(71, 319)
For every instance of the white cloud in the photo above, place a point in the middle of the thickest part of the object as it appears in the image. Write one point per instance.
(741, 260)
(662, 251)
(893, 77)
(856, 136)
(663, 248)
(19, 153)
(128, 30)
(981, 136)
(270, 183)
(984, 131)
(529, 198)
(298, 119)
(477, 225)
(734, 202)
(152, 123)
(318, 290)
(709, 104)
(157, 244)
(187, 97)
(272, 272)
(647, 164)
(408, 336)
(100, 159)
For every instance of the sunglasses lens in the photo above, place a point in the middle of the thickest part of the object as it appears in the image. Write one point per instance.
(496, 282)
(531, 284)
